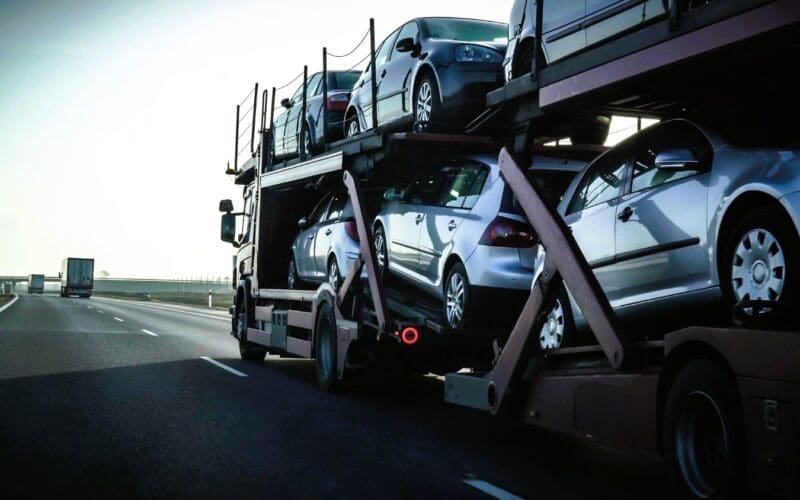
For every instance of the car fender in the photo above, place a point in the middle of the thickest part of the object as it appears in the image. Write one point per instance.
(426, 65)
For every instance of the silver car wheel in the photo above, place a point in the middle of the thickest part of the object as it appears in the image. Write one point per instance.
(424, 102)
(455, 299)
(380, 251)
(552, 333)
(352, 128)
(306, 144)
(759, 268)
(333, 275)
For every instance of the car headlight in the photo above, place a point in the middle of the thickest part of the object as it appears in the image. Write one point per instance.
(476, 53)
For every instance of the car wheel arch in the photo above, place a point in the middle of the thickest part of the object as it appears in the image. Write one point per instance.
(676, 360)
(424, 70)
(451, 261)
(743, 202)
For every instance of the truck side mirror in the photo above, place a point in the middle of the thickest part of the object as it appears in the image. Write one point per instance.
(393, 194)
(226, 206)
(677, 159)
(228, 228)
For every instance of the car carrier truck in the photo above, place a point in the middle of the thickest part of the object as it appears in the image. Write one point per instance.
(36, 283)
(77, 277)
(721, 405)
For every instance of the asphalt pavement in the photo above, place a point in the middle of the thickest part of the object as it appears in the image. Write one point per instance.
(106, 398)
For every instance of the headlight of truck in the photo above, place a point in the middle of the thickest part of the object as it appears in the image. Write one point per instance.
(476, 53)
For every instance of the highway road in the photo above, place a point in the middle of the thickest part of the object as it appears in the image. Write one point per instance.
(102, 397)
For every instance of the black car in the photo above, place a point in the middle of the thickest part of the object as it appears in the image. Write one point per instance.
(434, 72)
(295, 137)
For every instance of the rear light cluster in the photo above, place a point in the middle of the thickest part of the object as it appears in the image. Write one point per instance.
(509, 233)
(338, 102)
(351, 229)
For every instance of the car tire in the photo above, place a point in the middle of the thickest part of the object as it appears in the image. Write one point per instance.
(763, 271)
(427, 104)
(306, 144)
(352, 127)
(247, 350)
(380, 244)
(704, 433)
(457, 298)
(325, 347)
(334, 275)
(293, 280)
(559, 328)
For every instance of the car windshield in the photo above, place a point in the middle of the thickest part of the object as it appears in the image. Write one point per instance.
(466, 30)
(343, 81)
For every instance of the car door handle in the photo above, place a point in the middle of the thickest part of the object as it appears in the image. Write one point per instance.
(310, 236)
(383, 73)
(452, 225)
(419, 218)
(626, 214)
(328, 232)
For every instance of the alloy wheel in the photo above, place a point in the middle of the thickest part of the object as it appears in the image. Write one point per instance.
(306, 152)
(424, 102)
(552, 333)
(333, 275)
(455, 299)
(352, 127)
(758, 271)
(380, 254)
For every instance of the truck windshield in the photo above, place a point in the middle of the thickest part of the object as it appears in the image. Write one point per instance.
(466, 30)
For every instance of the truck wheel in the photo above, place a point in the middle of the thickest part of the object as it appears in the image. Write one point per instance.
(457, 297)
(325, 347)
(704, 433)
(247, 350)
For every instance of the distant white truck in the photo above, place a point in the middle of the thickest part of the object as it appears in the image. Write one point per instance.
(36, 283)
(77, 277)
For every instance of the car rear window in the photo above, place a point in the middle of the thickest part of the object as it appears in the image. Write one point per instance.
(343, 81)
(552, 184)
(466, 30)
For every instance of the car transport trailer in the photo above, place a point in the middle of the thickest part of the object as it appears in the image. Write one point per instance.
(719, 404)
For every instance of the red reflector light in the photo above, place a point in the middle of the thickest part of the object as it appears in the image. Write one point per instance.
(351, 229)
(409, 335)
(503, 232)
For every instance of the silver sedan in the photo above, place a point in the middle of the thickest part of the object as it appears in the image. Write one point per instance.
(677, 216)
(456, 233)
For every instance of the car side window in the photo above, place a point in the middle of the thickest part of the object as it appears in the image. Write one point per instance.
(318, 214)
(427, 188)
(386, 48)
(678, 135)
(602, 183)
(337, 207)
(465, 187)
(410, 30)
(314, 87)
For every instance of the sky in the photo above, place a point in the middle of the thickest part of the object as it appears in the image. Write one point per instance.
(117, 118)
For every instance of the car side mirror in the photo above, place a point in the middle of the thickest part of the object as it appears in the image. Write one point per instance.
(303, 223)
(226, 206)
(676, 159)
(228, 228)
(286, 102)
(406, 45)
(393, 194)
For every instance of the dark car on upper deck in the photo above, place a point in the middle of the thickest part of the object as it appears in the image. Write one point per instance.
(431, 72)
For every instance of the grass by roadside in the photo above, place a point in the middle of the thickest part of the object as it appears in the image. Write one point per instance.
(5, 299)
(192, 299)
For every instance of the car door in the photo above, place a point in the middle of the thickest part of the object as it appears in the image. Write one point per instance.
(279, 131)
(661, 232)
(306, 265)
(443, 219)
(592, 215)
(325, 232)
(607, 18)
(561, 27)
(294, 119)
(394, 94)
(381, 60)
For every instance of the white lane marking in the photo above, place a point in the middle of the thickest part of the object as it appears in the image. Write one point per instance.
(491, 489)
(133, 303)
(3, 308)
(224, 367)
(149, 333)
(118, 319)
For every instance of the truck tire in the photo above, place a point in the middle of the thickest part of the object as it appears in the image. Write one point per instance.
(325, 347)
(247, 350)
(704, 433)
